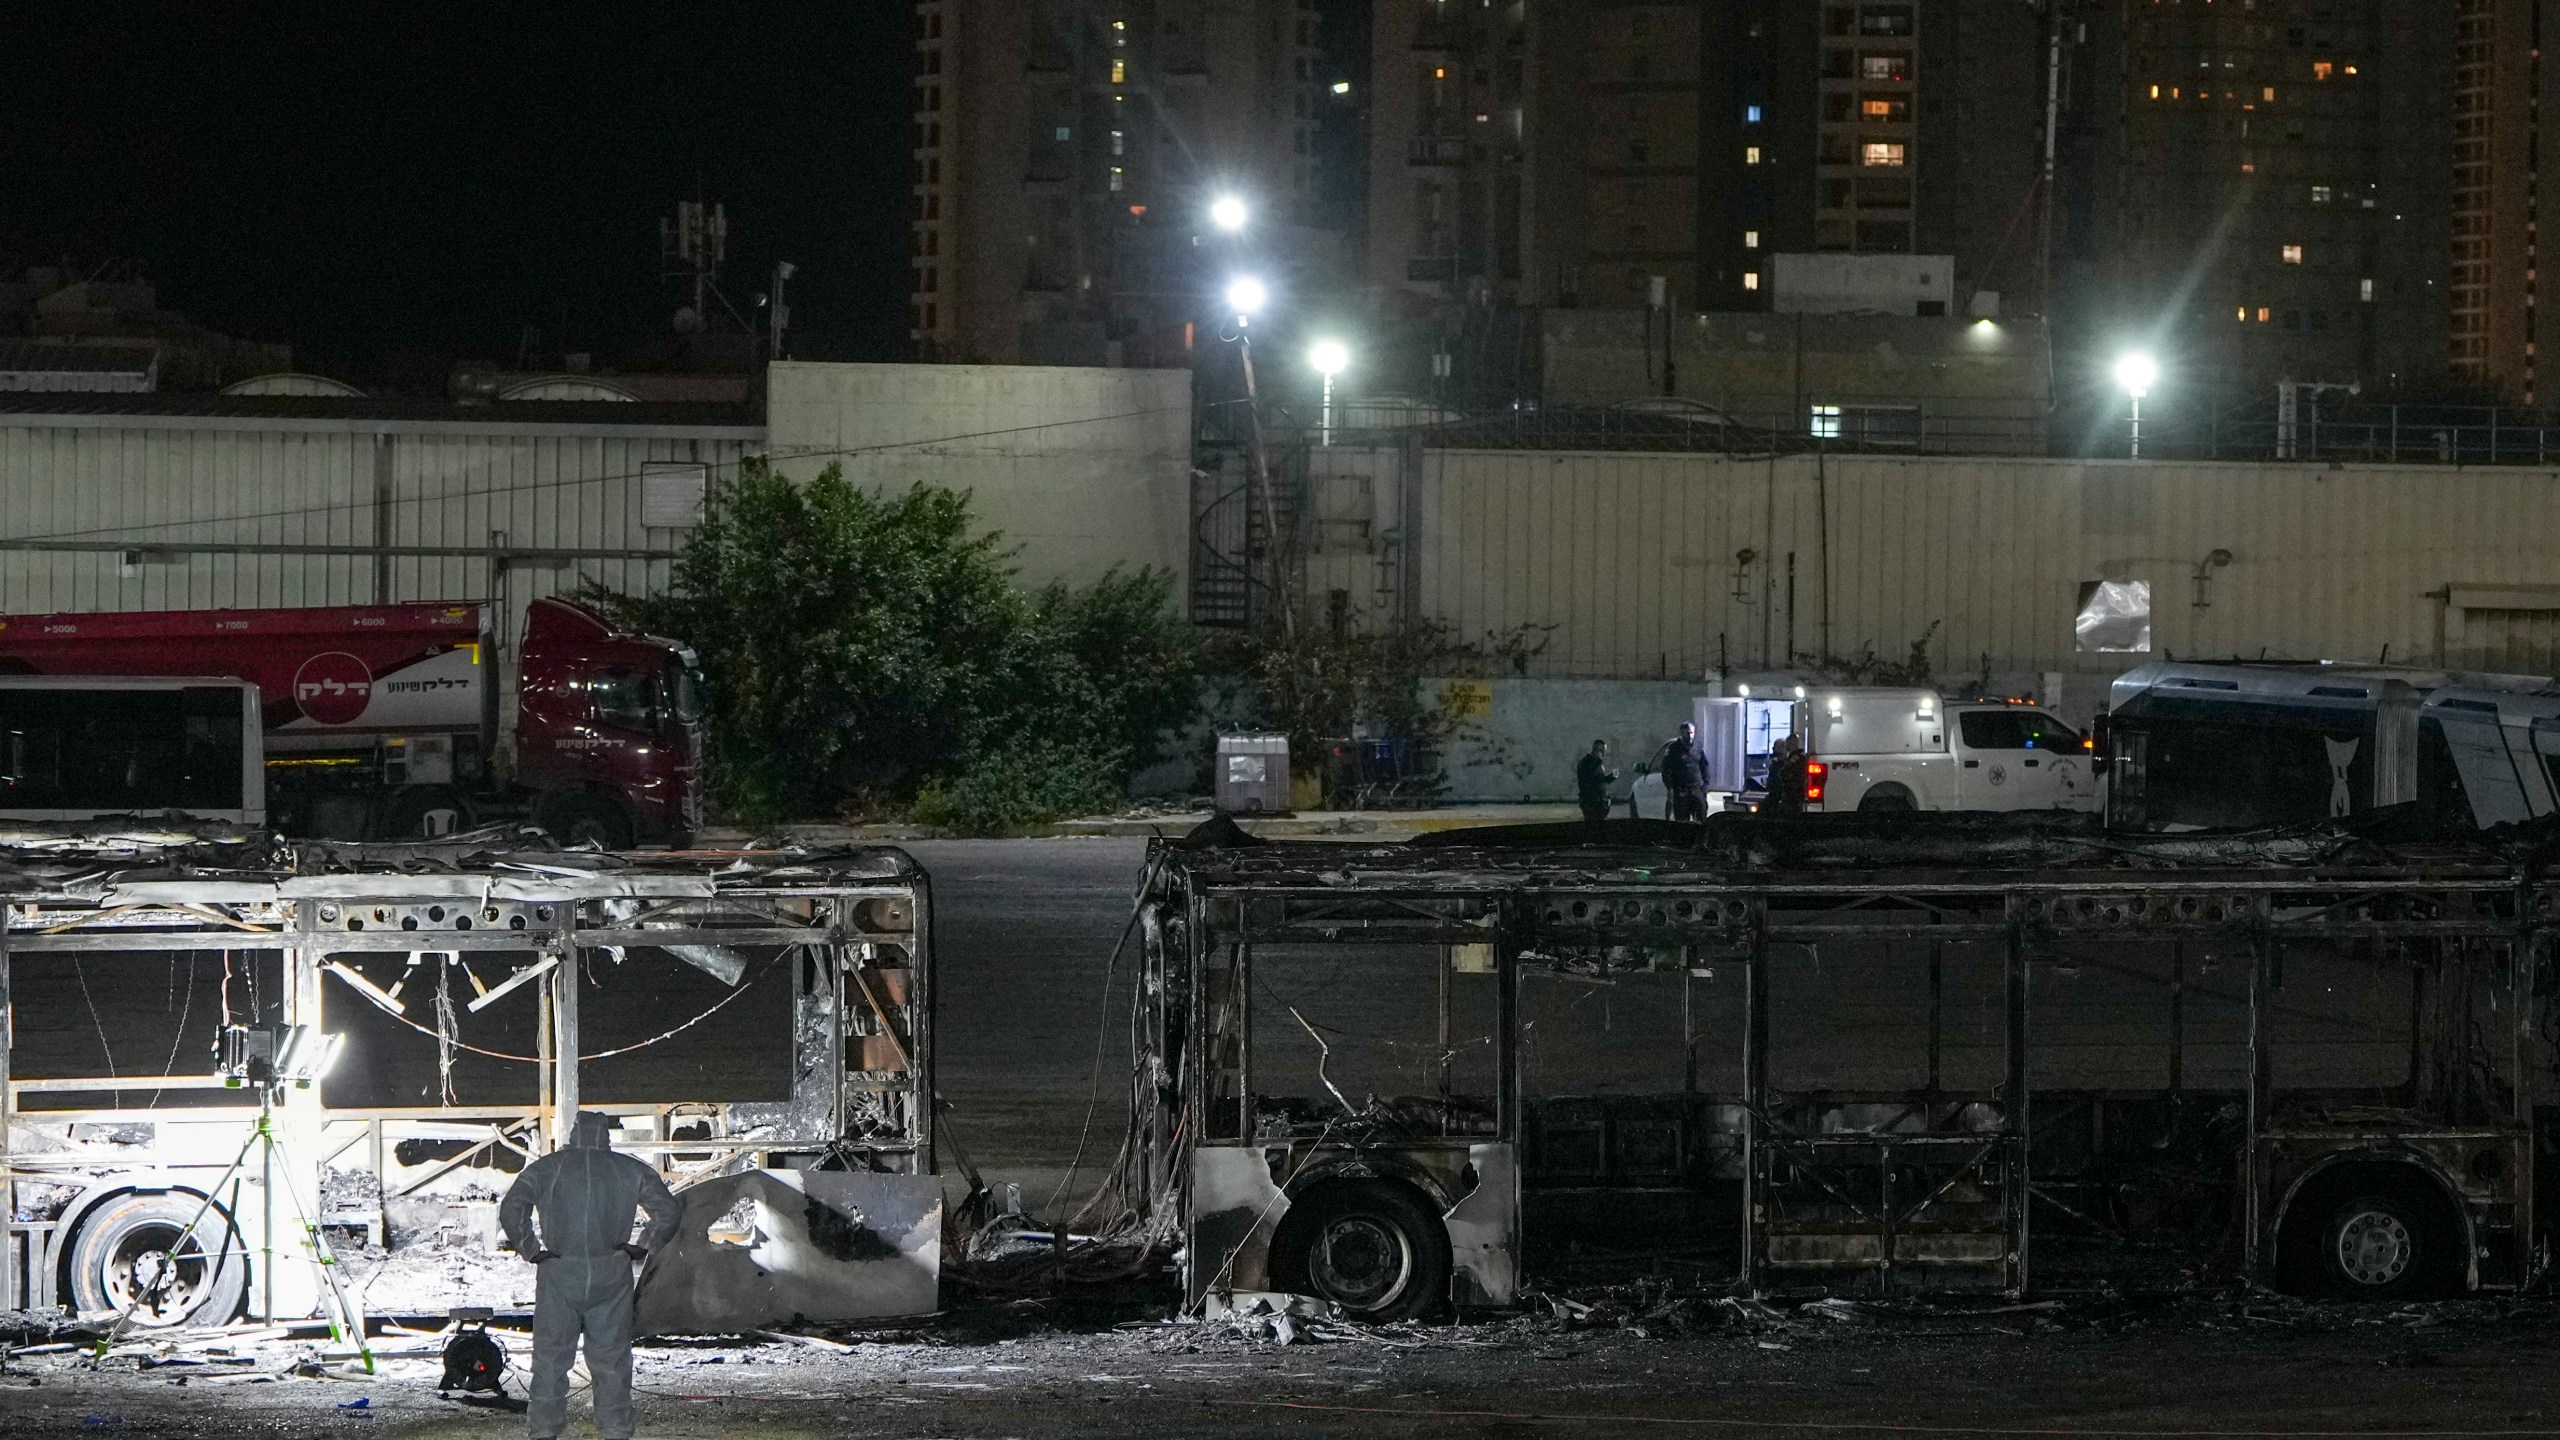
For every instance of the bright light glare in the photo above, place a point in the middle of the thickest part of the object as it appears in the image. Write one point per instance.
(1329, 358)
(1246, 295)
(1227, 213)
(2135, 371)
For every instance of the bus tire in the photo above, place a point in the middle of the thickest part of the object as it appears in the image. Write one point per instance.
(2373, 1235)
(123, 1259)
(1887, 799)
(1374, 1247)
(580, 819)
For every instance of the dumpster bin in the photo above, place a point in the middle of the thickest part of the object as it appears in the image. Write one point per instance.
(1253, 774)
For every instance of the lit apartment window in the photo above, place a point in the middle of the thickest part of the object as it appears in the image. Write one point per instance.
(1750, 279)
(2320, 194)
(2322, 69)
(2262, 314)
(2293, 254)
(1877, 109)
(2268, 94)
(1881, 67)
(1750, 154)
(1119, 72)
(1750, 239)
(1066, 133)
(1119, 178)
(1825, 422)
(2244, 315)
(2155, 92)
(2364, 290)
(1880, 152)
(1119, 32)
(1119, 142)
(1750, 114)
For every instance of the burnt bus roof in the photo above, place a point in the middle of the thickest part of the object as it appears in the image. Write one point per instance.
(60, 860)
(1980, 848)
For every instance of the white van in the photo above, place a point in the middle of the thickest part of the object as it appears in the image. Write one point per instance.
(1881, 750)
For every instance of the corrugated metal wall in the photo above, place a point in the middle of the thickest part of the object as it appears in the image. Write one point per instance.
(1667, 565)
(265, 500)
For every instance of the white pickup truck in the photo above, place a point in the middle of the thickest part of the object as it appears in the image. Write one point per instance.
(1876, 749)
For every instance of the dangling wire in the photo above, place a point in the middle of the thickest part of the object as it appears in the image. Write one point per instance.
(446, 1028)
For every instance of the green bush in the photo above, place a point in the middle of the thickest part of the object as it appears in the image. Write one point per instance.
(863, 652)
(1013, 789)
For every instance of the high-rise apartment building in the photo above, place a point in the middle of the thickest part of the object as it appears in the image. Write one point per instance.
(2268, 188)
(2506, 117)
(1536, 155)
(1064, 155)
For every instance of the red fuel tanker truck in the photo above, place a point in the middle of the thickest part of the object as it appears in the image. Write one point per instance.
(382, 720)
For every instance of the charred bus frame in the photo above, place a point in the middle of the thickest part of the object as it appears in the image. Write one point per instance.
(848, 932)
(1943, 1182)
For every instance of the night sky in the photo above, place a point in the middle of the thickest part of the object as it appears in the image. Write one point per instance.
(394, 186)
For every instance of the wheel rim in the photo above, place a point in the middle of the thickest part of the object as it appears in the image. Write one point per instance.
(2374, 1247)
(1362, 1262)
(143, 1278)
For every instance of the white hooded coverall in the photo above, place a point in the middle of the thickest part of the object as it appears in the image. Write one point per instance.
(585, 1199)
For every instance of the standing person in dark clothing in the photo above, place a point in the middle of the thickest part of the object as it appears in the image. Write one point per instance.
(1591, 777)
(1684, 775)
(1787, 774)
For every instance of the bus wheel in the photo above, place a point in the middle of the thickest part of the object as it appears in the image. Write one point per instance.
(586, 820)
(1373, 1247)
(131, 1257)
(1887, 800)
(2377, 1237)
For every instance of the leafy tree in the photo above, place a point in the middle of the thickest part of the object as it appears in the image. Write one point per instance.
(862, 651)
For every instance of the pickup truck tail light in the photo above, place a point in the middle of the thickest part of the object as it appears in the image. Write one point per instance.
(1815, 774)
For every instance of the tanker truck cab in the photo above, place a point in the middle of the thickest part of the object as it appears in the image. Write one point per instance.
(609, 730)
(1880, 750)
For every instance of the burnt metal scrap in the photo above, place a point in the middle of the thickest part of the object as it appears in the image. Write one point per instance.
(1816, 1056)
(740, 1015)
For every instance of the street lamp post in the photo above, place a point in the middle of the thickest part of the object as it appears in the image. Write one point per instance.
(2135, 371)
(1330, 358)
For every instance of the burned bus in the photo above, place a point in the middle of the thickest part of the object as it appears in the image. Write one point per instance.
(411, 1024)
(1824, 1055)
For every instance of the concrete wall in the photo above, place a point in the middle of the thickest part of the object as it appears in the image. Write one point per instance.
(1084, 469)
(1638, 563)
(1525, 743)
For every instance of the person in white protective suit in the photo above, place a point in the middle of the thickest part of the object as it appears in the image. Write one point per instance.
(571, 1213)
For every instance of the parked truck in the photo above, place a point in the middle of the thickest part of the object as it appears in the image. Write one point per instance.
(382, 721)
(1882, 749)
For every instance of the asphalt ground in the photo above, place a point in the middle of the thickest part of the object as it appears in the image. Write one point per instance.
(1024, 931)
(2228, 1369)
